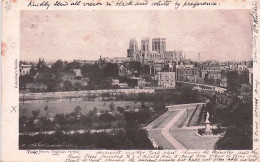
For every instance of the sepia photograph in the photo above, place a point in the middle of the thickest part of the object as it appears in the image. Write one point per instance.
(136, 80)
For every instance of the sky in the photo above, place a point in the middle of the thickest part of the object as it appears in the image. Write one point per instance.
(223, 35)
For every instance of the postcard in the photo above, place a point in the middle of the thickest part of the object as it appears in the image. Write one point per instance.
(134, 80)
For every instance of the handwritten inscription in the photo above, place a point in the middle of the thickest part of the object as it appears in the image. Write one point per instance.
(8, 6)
(256, 128)
(13, 109)
(122, 3)
(153, 156)
(195, 4)
(41, 4)
(255, 30)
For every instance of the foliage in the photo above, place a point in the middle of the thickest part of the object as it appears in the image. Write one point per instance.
(67, 85)
(121, 110)
(77, 86)
(201, 131)
(111, 70)
(120, 139)
(25, 79)
(106, 117)
(35, 113)
(112, 107)
(239, 122)
(72, 65)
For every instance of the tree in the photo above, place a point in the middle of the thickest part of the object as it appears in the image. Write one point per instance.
(53, 84)
(72, 65)
(23, 80)
(244, 77)
(33, 72)
(77, 110)
(111, 70)
(35, 113)
(41, 66)
(135, 67)
(121, 110)
(187, 93)
(106, 117)
(112, 107)
(67, 85)
(60, 119)
(131, 120)
(158, 106)
(77, 86)
(95, 75)
(46, 109)
(233, 81)
(95, 110)
(57, 67)
(239, 122)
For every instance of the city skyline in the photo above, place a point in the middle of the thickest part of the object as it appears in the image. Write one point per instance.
(215, 36)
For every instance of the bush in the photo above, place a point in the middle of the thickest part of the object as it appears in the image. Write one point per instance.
(121, 110)
(201, 131)
(121, 139)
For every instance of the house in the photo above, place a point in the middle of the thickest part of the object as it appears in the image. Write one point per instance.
(25, 69)
(187, 74)
(136, 81)
(77, 73)
(166, 79)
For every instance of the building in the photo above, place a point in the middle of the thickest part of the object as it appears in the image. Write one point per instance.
(178, 56)
(136, 82)
(145, 49)
(25, 69)
(211, 72)
(121, 60)
(115, 82)
(242, 66)
(77, 73)
(166, 79)
(158, 53)
(187, 74)
(132, 51)
(159, 45)
(123, 71)
(168, 57)
(223, 80)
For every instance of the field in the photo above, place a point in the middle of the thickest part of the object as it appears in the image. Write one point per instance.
(57, 106)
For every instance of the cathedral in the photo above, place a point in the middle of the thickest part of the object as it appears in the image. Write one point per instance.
(158, 54)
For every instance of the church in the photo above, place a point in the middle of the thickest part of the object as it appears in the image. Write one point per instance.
(157, 54)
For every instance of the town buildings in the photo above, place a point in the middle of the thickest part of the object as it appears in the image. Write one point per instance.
(188, 74)
(166, 79)
(163, 67)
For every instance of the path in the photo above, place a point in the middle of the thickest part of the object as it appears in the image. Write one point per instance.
(166, 131)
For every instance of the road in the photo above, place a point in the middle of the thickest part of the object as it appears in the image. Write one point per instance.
(159, 130)
(166, 131)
